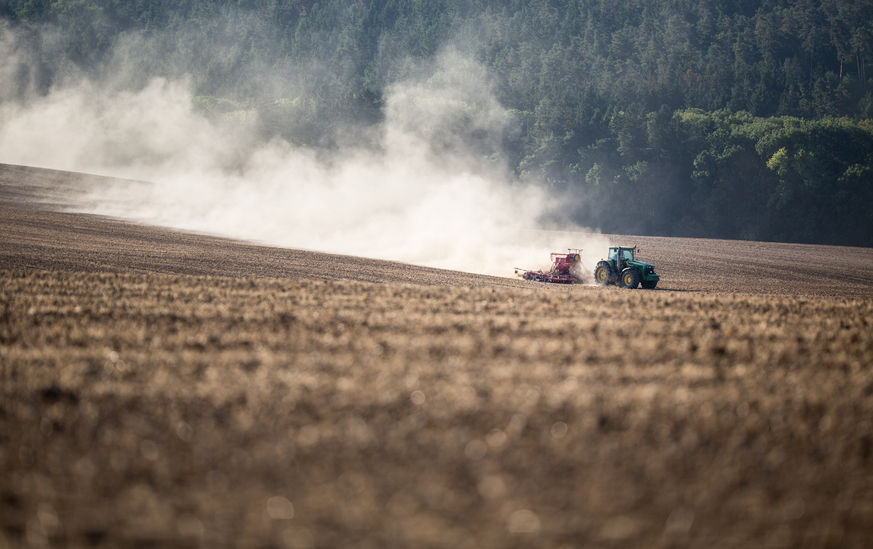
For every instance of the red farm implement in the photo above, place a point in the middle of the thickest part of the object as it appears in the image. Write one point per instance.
(565, 269)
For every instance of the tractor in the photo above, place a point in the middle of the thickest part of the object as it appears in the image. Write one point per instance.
(623, 269)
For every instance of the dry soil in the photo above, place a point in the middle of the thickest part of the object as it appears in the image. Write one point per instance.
(176, 390)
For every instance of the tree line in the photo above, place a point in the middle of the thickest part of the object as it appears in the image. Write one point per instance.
(733, 118)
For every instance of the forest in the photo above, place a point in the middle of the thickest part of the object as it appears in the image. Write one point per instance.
(739, 119)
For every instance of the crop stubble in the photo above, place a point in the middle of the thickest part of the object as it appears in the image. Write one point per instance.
(172, 409)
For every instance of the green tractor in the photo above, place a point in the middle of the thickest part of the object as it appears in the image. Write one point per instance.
(621, 268)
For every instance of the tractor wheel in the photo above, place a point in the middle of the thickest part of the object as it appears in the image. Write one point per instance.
(630, 278)
(649, 285)
(602, 273)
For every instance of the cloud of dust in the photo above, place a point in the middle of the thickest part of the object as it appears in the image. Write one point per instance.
(431, 188)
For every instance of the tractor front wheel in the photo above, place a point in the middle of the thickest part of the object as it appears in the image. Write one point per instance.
(630, 278)
(602, 273)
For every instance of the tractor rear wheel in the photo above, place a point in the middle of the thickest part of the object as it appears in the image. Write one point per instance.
(602, 273)
(649, 285)
(630, 278)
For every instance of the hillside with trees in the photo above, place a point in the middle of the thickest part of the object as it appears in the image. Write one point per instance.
(732, 119)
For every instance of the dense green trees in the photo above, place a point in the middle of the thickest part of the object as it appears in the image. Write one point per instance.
(733, 175)
(731, 118)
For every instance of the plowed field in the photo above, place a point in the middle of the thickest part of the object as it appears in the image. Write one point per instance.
(168, 389)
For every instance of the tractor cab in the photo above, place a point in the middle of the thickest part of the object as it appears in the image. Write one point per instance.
(620, 255)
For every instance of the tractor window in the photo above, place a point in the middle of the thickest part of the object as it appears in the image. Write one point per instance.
(627, 255)
(613, 254)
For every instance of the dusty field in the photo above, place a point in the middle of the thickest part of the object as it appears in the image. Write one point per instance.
(144, 403)
(34, 236)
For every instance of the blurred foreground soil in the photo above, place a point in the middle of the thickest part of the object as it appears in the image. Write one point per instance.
(160, 389)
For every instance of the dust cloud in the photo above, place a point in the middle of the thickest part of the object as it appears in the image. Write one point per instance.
(430, 187)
